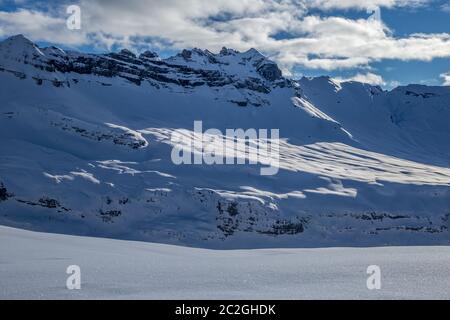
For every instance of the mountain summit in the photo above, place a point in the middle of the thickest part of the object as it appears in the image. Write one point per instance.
(190, 67)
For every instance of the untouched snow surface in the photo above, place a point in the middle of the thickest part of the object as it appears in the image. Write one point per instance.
(33, 265)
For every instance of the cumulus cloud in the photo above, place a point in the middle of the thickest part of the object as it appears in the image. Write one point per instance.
(446, 78)
(370, 4)
(370, 78)
(445, 7)
(39, 26)
(283, 29)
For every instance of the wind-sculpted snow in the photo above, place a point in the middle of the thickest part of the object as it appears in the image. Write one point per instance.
(310, 109)
(86, 148)
(335, 160)
(345, 162)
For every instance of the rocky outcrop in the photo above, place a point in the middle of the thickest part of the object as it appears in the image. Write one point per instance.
(190, 68)
(149, 55)
(109, 215)
(45, 202)
(118, 135)
(4, 194)
(270, 71)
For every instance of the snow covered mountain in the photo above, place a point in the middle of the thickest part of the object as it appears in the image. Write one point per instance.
(85, 148)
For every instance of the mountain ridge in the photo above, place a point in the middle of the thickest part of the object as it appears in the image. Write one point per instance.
(86, 149)
(184, 56)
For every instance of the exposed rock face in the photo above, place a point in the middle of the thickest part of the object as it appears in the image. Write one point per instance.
(127, 53)
(228, 52)
(190, 68)
(45, 202)
(149, 55)
(186, 54)
(4, 194)
(116, 135)
(270, 71)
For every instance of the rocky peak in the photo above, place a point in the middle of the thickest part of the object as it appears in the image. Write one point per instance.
(19, 47)
(269, 71)
(253, 55)
(253, 52)
(186, 54)
(149, 55)
(127, 53)
(19, 39)
(266, 68)
(228, 52)
(248, 70)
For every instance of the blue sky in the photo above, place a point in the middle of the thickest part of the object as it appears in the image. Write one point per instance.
(340, 38)
(402, 22)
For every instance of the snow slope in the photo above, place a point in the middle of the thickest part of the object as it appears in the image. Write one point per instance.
(85, 149)
(33, 266)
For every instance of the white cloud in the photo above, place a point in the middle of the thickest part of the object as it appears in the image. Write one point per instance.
(39, 27)
(446, 7)
(446, 79)
(368, 4)
(314, 42)
(370, 78)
